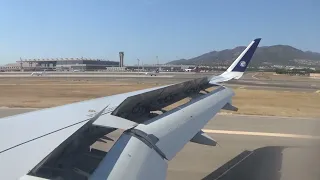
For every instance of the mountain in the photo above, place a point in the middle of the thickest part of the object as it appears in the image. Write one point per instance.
(266, 55)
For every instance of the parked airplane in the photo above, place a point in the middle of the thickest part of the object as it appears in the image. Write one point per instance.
(38, 73)
(195, 69)
(55, 143)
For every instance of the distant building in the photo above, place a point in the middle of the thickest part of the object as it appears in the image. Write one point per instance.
(18, 67)
(59, 64)
(116, 69)
(85, 65)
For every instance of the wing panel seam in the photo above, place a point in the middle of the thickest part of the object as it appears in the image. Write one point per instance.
(42, 136)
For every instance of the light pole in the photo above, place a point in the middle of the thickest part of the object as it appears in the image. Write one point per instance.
(138, 66)
(142, 66)
(158, 65)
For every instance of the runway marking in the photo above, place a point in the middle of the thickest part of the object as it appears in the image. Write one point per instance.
(254, 76)
(299, 136)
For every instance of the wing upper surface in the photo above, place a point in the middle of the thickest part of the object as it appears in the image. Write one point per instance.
(28, 138)
(18, 161)
(39, 123)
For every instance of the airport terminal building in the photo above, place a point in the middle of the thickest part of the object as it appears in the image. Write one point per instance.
(60, 64)
(84, 65)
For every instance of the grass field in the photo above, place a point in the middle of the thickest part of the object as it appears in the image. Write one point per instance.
(44, 93)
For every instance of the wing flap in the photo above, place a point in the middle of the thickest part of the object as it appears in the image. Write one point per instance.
(112, 121)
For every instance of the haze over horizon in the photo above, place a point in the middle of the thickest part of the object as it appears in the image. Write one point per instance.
(145, 29)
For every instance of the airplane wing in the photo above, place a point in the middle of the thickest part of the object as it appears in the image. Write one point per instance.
(144, 150)
(56, 142)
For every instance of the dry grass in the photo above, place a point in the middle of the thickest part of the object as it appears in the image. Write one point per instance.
(274, 76)
(40, 94)
(277, 103)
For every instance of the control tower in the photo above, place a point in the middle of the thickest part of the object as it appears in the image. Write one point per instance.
(121, 55)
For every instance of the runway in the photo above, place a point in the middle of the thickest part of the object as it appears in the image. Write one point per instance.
(248, 80)
(244, 154)
(85, 76)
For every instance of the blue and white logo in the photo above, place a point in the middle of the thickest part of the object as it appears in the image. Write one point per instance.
(243, 63)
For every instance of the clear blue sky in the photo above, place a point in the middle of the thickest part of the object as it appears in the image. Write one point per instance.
(144, 29)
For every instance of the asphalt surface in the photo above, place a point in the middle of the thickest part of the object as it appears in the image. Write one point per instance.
(250, 147)
(248, 80)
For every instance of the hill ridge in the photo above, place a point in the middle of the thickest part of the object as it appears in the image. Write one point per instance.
(265, 55)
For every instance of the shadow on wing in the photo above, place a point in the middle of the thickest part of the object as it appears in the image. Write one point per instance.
(260, 164)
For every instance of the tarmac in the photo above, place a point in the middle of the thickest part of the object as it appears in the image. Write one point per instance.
(249, 147)
(248, 80)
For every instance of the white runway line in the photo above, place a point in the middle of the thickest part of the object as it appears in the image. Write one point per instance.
(260, 134)
(254, 76)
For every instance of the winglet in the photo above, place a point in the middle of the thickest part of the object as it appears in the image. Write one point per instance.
(243, 60)
(238, 67)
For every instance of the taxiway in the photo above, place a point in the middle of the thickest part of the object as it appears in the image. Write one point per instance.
(249, 80)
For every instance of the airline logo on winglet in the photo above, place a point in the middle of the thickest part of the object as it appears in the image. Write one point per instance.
(245, 57)
(243, 63)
